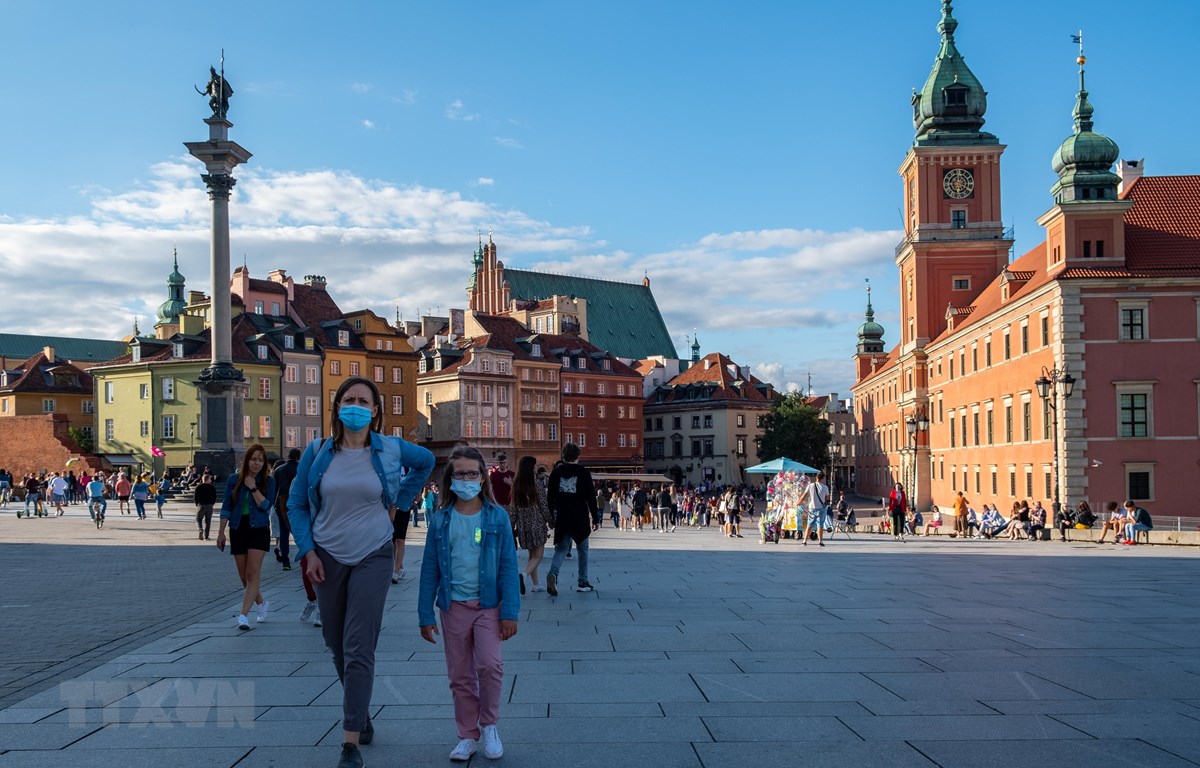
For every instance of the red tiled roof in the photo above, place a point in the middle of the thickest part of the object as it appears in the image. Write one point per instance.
(503, 333)
(267, 286)
(242, 330)
(314, 305)
(718, 374)
(646, 367)
(1162, 229)
(988, 301)
(36, 376)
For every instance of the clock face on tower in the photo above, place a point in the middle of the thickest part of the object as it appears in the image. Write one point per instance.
(958, 183)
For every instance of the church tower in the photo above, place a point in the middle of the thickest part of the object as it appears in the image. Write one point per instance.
(870, 342)
(170, 310)
(1086, 226)
(954, 239)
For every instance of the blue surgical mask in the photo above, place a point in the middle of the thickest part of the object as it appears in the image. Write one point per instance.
(354, 417)
(465, 489)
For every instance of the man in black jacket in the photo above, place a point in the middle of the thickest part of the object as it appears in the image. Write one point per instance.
(572, 500)
(284, 474)
(205, 497)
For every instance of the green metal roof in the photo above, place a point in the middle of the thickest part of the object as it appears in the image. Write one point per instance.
(622, 318)
(65, 347)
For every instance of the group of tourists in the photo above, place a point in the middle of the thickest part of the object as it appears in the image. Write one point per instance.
(1025, 521)
(60, 490)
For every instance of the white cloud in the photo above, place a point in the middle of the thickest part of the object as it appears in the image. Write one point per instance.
(360, 87)
(785, 301)
(509, 143)
(455, 111)
(407, 97)
(368, 124)
(484, 181)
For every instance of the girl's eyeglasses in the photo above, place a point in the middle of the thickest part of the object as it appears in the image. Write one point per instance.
(470, 475)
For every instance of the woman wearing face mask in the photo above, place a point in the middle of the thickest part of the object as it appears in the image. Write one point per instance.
(347, 489)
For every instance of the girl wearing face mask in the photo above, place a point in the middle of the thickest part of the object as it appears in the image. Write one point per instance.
(470, 572)
(246, 510)
(341, 505)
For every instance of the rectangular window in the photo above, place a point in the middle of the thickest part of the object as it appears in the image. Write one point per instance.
(168, 427)
(264, 389)
(310, 434)
(343, 338)
(1008, 424)
(987, 352)
(602, 440)
(397, 375)
(1026, 421)
(264, 426)
(553, 431)
(1133, 324)
(1047, 415)
(569, 438)
(486, 430)
(741, 420)
(48, 405)
(354, 368)
(1135, 415)
(695, 447)
(1012, 483)
(485, 391)
(1029, 483)
(566, 387)
(581, 387)
(695, 422)
(621, 390)
(397, 405)
(168, 388)
(1049, 485)
(579, 411)
(311, 376)
(988, 420)
(708, 446)
(486, 365)
(675, 422)
(1007, 346)
(1138, 482)
(526, 431)
(541, 403)
(246, 422)
(291, 373)
(601, 388)
(501, 395)
(108, 429)
(676, 448)
(291, 405)
(958, 219)
(144, 429)
(89, 406)
(741, 446)
(962, 283)
(502, 428)
(1045, 330)
(994, 482)
(428, 398)
(335, 367)
(262, 351)
(470, 398)
(708, 421)
(620, 411)
(502, 366)
(600, 411)
(975, 425)
(581, 440)
(567, 411)
(964, 429)
(312, 406)
(378, 372)
(1024, 339)
(310, 346)
(259, 308)
(143, 391)
(289, 341)
(952, 440)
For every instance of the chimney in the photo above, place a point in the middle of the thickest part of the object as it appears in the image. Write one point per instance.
(1129, 171)
(48, 351)
(315, 281)
(277, 276)
(707, 363)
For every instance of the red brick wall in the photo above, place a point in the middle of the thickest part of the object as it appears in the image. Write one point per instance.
(40, 442)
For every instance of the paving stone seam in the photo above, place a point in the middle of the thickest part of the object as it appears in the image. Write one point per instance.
(917, 749)
(1164, 749)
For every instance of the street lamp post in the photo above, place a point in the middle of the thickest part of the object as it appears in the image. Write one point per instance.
(1049, 385)
(835, 452)
(916, 424)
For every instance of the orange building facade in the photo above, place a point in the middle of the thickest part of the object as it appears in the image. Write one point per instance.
(1106, 307)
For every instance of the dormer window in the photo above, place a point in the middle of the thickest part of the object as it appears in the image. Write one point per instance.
(308, 343)
(607, 364)
(566, 361)
(535, 350)
(262, 351)
(137, 354)
(177, 349)
(343, 338)
(955, 97)
(422, 366)
(289, 342)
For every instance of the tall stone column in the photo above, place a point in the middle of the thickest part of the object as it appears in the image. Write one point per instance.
(220, 384)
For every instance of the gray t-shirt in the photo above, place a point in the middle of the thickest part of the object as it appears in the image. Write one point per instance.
(352, 522)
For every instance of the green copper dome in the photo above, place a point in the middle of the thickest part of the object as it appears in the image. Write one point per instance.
(949, 108)
(870, 333)
(1084, 160)
(170, 310)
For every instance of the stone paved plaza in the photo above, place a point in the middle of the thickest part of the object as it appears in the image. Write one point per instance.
(695, 650)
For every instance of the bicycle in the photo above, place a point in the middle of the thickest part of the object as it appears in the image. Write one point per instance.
(96, 510)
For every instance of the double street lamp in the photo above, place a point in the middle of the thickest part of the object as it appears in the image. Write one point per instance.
(1049, 386)
(916, 424)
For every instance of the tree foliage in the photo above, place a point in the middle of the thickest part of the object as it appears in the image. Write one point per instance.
(81, 440)
(795, 430)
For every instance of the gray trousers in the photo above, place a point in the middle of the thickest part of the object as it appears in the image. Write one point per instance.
(351, 601)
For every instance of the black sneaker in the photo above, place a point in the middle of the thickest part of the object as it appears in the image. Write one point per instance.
(521, 576)
(552, 584)
(278, 557)
(584, 587)
(351, 757)
(368, 734)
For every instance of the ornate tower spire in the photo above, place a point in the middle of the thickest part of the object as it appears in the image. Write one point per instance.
(695, 349)
(870, 333)
(169, 310)
(949, 108)
(1084, 160)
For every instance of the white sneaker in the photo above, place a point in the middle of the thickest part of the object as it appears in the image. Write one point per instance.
(243, 622)
(317, 618)
(462, 753)
(537, 588)
(262, 610)
(400, 574)
(492, 748)
(395, 577)
(307, 613)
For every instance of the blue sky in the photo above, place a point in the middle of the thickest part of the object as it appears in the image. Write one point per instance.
(692, 142)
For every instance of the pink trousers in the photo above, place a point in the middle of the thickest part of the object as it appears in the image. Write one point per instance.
(471, 637)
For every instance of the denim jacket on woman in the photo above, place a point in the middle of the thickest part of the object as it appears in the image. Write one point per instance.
(402, 467)
(497, 565)
(231, 507)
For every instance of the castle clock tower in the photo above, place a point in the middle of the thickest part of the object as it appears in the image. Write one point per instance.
(954, 239)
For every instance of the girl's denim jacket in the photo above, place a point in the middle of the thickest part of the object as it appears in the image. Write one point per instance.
(231, 507)
(498, 584)
(402, 467)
